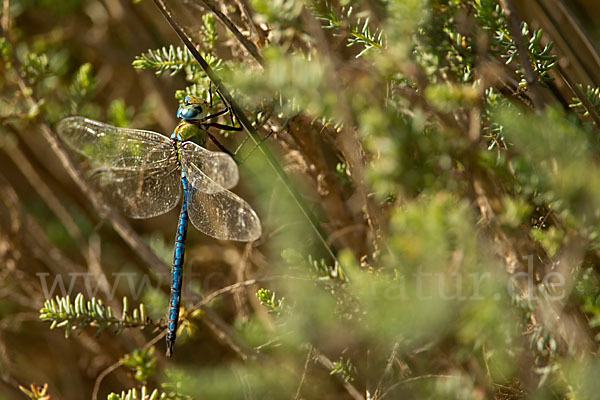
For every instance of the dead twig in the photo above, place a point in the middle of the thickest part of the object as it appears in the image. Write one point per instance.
(48, 196)
(388, 368)
(101, 377)
(246, 44)
(225, 334)
(328, 364)
(577, 92)
(514, 25)
(304, 370)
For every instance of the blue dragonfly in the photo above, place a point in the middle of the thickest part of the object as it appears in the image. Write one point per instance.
(143, 173)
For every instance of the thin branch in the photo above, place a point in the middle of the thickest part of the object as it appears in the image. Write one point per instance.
(418, 378)
(303, 377)
(388, 368)
(577, 92)
(247, 44)
(240, 297)
(224, 290)
(243, 5)
(116, 365)
(514, 25)
(348, 140)
(101, 377)
(14, 321)
(575, 23)
(33, 237)
(6, 17)
(155, 339)
(95, 267)
(233, 287)
(9, 197)
(327, 363)
(46, 194)
(224, 333)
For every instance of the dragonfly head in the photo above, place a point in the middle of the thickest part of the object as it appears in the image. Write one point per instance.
(192, 109)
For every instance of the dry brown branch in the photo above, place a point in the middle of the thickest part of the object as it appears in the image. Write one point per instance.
(328, 364)
(225, 334)
(45, 193)
(577, 92)
(103, 375)
(347, 140)
(388, 368)
(514, 24)
(244, 42)
(254, 27)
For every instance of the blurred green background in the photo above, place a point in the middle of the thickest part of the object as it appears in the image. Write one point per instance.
(448, 150)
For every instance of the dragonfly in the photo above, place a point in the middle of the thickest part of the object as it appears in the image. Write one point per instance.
(144, 174)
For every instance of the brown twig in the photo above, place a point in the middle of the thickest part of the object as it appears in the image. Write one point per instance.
(225, 334)
(224, 290)
(44, 191)
(348, 141)
(6, 17)
(239, 297)
(101, 377)
(577, 92)
(416, 379)
(328, 364)
(304, 370)
(246, 12)
(31, 236)
(247, 44)
(514, 25)
(9, 197)
(233, 287)
(388, 368)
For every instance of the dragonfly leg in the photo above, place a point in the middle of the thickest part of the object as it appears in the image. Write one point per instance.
(177, 270)
(211, 116)
(228, 108)
(260, 123)
(223, 127)
(210, 104)
(262, 140)
(219, 113)
(220, 146)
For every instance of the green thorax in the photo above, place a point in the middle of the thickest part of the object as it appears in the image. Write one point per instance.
(186, 131)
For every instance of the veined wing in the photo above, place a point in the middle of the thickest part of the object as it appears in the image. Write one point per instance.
(218, 212)
(136, 171)
(144, 193)
(218, 166)
(108, 146)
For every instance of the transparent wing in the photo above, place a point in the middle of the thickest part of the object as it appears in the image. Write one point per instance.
(218, 212)
(110, 146)
(219, 167)
(135, 171)
(144, 193)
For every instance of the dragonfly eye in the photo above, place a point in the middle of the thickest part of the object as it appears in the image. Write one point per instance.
(190, 112)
